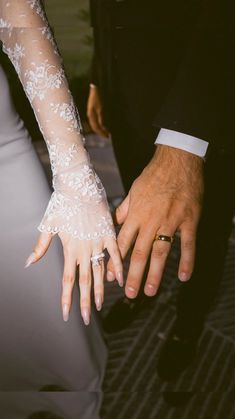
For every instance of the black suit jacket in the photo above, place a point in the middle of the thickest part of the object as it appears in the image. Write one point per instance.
(173, 62)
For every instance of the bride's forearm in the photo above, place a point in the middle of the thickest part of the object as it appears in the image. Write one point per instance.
(30, 45)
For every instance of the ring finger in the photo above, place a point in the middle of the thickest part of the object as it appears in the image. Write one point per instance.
(160, 251)
(98, 275)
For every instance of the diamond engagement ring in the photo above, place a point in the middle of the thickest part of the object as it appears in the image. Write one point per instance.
(97, 259)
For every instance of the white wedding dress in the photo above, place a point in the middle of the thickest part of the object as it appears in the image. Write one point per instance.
(37, 348)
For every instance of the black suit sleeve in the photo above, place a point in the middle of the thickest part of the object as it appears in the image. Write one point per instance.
(202, 99)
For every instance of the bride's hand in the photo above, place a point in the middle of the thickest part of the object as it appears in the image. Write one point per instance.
(79, 253)
(78, 212)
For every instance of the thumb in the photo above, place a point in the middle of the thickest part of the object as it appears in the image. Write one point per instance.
(40, 249)
(122, 210)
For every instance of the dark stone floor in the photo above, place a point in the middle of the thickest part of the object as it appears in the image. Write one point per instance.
(132, 388)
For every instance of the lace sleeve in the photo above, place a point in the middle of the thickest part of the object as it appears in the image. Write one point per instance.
(78, 204)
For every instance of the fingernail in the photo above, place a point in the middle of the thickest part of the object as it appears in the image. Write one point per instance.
(131, 292)
(98, 301)
(86, 315)
(120, 279)
(183, 276)
(150, 290)
(65, 312)
(110, 276)
(31, 259)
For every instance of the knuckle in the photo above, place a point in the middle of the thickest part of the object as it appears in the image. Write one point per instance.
(65, 300)
(186, 264)
(99, 289)
(139, 254)
(84, 302)
(67, 279)
(84, 279)
(159, 253)
(122, 243)
(116, 257)
(188, 244)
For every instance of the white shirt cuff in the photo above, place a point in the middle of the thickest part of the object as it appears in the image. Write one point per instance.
(183, 141)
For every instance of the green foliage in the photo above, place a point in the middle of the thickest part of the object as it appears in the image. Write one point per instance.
(70, 20)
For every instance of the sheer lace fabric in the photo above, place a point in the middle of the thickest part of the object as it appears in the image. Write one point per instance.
(78, 204)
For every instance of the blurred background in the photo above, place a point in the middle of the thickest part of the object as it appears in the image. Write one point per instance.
(73, 33)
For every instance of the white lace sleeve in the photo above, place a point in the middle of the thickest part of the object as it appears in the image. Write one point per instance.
(78, 204)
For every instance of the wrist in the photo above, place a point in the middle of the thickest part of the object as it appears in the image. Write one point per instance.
(169, 161)
(173, 153)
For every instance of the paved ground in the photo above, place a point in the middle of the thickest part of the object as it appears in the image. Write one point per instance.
(132, 389)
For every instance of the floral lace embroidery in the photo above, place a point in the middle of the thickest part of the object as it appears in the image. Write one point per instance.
(4, 24)
(78, 205)
(46, 31)
(36, 5)
(39, 80)
(15, 54)
(61, 157)
(63, 210)
(69, 113)
(85, 182)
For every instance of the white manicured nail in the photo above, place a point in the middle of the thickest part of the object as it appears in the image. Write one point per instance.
(98, 301)
(86, 315)
(31, 259)
(120, 279)
(65, 312)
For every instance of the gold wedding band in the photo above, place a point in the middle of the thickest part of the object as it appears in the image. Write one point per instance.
(164, 238)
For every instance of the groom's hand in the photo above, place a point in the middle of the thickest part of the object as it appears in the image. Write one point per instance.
(166, 197)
